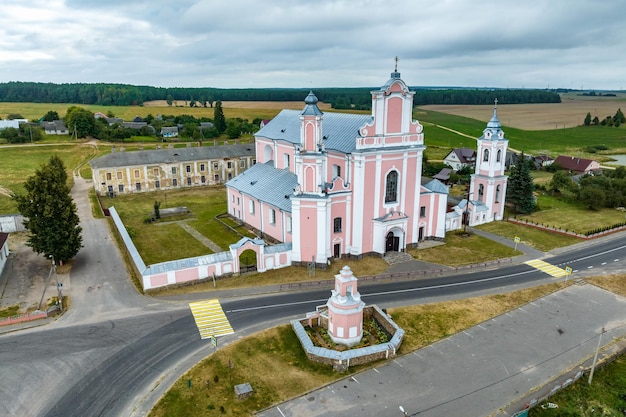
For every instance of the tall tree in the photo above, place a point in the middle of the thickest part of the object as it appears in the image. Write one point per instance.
(50, 213)
(520, 188)
(81, 121)
(218, 117)
(587, 119)
(50, 116)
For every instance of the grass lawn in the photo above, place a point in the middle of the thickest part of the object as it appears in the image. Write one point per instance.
(571, 215)
(207, 389)
(463, 250)
(364, 267)
(604, 397)
(555, 141)
(19, 163)
(538, 239)
(164, 241)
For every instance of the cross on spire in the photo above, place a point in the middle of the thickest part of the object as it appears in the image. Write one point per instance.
(396, 68)
(495, 103)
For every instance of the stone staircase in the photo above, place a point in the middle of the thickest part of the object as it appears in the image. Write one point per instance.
(393, 258)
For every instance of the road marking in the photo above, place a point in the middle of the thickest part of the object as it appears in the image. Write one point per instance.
(354, 379)
(549, 269)
(210, 318)
(468, 334)
(281, 413)
(376, 370)
(397, 363)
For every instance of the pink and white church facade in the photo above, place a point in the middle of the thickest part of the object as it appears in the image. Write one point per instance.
(338, 184)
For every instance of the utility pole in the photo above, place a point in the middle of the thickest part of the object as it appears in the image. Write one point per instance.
(595, 357)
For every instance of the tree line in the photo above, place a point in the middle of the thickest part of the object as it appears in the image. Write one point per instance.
(340, 98)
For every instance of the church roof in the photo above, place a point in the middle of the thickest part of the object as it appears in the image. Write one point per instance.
(494, 127)
(267, 184)
(339, 130)
(436, 186)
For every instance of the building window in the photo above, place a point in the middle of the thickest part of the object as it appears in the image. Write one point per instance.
(216, 166)
(253, 161)
(119, 175)
(391, 190)
(232, 198)
(136, 173)
(498, 190)
(138, 186)
(188, 168)
(481, 192)
(120, 188)
(216, 178)
(188, 180)
(229, 165)
(289, 222)
(173, 170)
(230, 175)
(108, 176)
(201, 167)
(203, 179)
(157, 184)
(499, 155)
(237, 200)
(251, 206)
(337, 224)
(174, 182)
(156, 171)
(336, 171)
(286, 160)
(423, 211)
(486, 155)
(242, 163)
(272, 216)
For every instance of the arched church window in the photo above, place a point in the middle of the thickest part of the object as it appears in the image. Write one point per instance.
(391, 189)
(499, 155)
(498, 194)
(486, 155)
(481, 192)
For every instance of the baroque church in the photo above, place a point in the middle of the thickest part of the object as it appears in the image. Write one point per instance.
(339, 185)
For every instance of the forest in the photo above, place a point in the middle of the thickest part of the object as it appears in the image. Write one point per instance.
(340, 98)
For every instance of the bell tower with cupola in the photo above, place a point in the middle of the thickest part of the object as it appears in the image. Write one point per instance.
(488, 183)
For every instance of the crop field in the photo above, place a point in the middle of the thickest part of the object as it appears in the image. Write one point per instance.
(543, 116)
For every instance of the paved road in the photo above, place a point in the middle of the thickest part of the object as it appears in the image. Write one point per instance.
(115, 352)
(480, 370)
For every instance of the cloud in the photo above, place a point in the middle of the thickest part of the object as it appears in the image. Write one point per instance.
(284, 43)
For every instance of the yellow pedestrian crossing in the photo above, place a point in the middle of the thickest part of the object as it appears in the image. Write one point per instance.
(210, 318)
(555, 271)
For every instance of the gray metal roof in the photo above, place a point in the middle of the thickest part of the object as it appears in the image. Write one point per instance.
(158, 156)
(267, 184)
(436, 186)
(340, 130)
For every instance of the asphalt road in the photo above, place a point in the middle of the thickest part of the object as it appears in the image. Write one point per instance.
(115, 352)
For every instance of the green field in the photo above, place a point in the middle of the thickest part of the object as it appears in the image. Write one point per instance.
(571, 141)
(19, 163)
(34, 111)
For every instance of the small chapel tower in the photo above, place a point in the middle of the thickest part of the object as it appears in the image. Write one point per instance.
(345, 310)
(488, 183)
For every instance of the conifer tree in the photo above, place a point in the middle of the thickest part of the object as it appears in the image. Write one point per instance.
(520, 188)
(50, 213)
(218, 117)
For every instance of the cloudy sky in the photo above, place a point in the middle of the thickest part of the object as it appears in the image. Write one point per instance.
(321, 43)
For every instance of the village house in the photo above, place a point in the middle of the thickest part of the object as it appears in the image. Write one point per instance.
(577, 165)
(139, 171)
(4, 249)
(56, 127)
(460, 158)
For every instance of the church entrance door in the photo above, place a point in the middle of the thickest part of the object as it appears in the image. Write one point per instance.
(392, 243)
